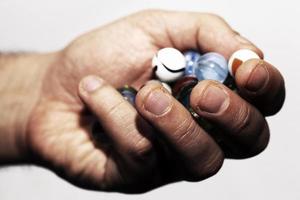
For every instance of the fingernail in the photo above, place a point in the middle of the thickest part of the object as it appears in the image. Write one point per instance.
(157, 102)
(91, 83)
(258, 78)
(150, 82)
(214, 100)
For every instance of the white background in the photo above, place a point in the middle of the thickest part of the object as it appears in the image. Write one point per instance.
(36, 25)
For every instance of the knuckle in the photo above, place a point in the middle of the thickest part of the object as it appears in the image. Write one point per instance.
(113, 111)
(273, 99)
(72, 56)
(150, 11)
(214, 165)
(276, 107)
(185, 131)
(251, 131)
(147, 13)
(141, 150)
(262, 141)
(150, 18)
(243, 120)
(208, 168)
(214, 17)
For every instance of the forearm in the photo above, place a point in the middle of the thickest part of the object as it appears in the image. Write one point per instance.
(20, 81)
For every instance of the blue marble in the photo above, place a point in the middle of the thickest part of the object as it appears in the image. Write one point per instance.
(183, 88)
(128, 93)
(191, 57)
(212, 66)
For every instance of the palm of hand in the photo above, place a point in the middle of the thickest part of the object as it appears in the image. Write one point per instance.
(60, 129)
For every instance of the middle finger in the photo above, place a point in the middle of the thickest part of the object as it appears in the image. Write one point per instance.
(244, 130)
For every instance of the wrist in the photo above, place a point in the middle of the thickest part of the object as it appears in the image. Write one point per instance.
(21, 78)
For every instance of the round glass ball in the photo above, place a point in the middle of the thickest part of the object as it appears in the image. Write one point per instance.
(211, 66)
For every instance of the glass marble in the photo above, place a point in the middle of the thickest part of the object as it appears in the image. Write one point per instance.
(191, 57)
(167, 87)
(182, 83)
(212, 66)
(128, 93)
(183, 88)
(237, 59)
(168, 64)
(230, 83)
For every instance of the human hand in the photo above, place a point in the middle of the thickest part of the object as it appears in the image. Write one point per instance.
(141, 150)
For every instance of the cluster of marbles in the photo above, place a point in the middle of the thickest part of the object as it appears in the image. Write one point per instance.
(180, 72)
